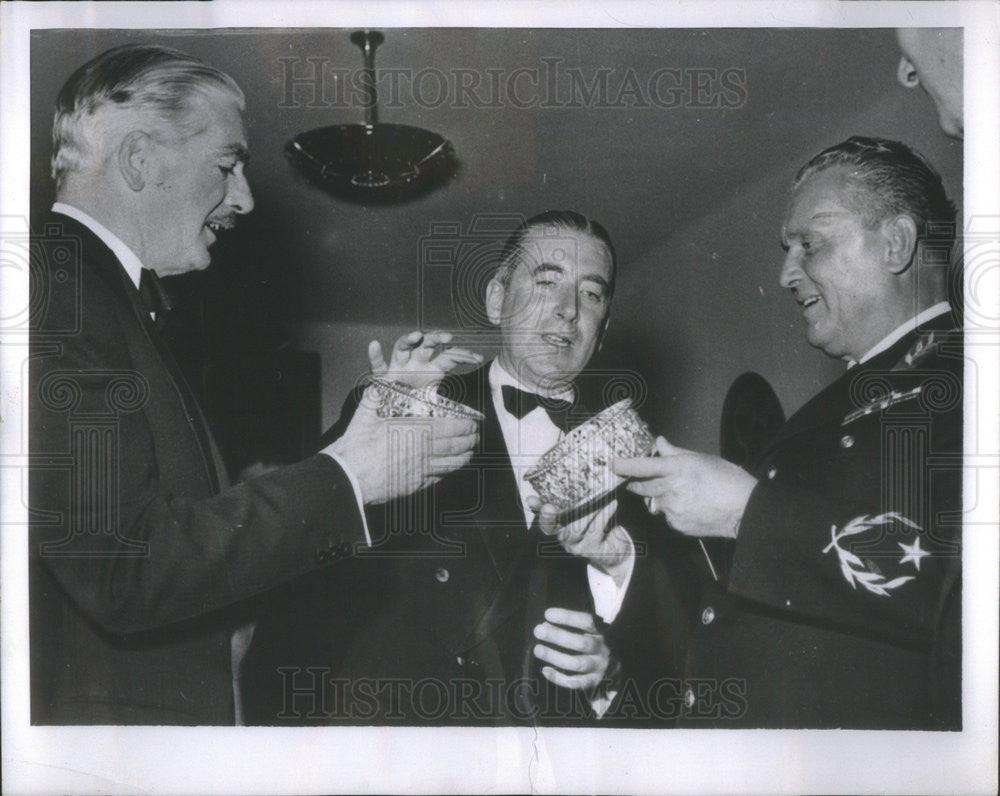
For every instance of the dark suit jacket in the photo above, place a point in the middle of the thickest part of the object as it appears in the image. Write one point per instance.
(831, 614)
(441, 611)
(140, 552)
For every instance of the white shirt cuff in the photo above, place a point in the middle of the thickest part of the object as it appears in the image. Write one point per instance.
(608, 596)
(357, 494)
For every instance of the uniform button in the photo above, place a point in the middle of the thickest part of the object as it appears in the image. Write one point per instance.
(442, 575)
(847, 441)
(460, 660)
(708, 616)
(689, 697)
(771, 473)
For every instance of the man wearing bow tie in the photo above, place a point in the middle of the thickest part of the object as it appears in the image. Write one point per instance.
(143, 557)
(481, 618)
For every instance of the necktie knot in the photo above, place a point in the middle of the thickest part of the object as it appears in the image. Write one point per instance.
(519, 403)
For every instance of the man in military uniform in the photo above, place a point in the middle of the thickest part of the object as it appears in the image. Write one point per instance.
(835, 588)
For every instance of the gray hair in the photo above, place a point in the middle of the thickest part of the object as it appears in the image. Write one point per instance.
(109, 90)
(889, 178)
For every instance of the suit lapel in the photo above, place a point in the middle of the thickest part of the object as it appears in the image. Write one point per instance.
(513, 548)
(499, 522)
(105, 264)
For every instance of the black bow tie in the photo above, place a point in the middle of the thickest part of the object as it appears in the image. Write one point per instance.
(153, 295)
(519, 403)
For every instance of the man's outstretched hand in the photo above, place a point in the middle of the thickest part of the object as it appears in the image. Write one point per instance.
(700, 495)
(418, 359)
(393, 457)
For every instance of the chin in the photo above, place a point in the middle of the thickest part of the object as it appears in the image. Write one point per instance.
(831, 348)
(199, 261)
(951, 126)
(816, 340)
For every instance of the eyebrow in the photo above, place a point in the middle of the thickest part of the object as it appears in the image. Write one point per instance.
(600, 280)
(785, 235)
(829, 214)
(558, 269)
(547, 267)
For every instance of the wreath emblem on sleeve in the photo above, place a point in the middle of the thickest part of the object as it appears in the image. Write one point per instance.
(855, 570)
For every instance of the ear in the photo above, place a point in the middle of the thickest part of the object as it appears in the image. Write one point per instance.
(495, 292)
(134, 159)
(906, 73)
(901, 242)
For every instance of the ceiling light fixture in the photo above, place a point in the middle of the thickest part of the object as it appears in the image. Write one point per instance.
(374, 162)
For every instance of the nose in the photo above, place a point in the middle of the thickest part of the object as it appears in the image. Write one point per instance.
(791, 271)
(238, 194)
(567, 304)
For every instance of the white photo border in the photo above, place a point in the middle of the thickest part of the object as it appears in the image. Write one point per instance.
(368, 759)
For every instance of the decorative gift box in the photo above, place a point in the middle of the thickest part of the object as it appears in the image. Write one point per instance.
(393, 399)
(578, 469)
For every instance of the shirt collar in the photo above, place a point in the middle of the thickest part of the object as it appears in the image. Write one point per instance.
(500, 377)
(132, 264)
(902, 330)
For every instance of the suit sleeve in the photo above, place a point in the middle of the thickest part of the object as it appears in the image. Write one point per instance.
(854, 557)
(134, 552)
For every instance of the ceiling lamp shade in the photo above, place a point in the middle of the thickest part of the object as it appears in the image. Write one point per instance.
(374, 162)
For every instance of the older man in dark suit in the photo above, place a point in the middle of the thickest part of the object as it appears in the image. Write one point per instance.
(836, 600)
(464, 613)
(141, 553)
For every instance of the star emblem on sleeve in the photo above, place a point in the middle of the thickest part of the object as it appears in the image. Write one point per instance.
(913, 553)
(855, 570)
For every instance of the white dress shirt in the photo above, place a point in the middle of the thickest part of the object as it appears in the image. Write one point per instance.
(527, 439)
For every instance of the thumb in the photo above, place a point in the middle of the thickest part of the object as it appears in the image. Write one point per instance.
(376, 360)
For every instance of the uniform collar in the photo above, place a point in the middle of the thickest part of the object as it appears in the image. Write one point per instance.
(129, 261)
(902, 330)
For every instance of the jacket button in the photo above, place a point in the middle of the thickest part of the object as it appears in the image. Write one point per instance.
(689, 697)
(442, 575)
(708, 616)
(460, 660)
(771, 473)
(847, 441)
